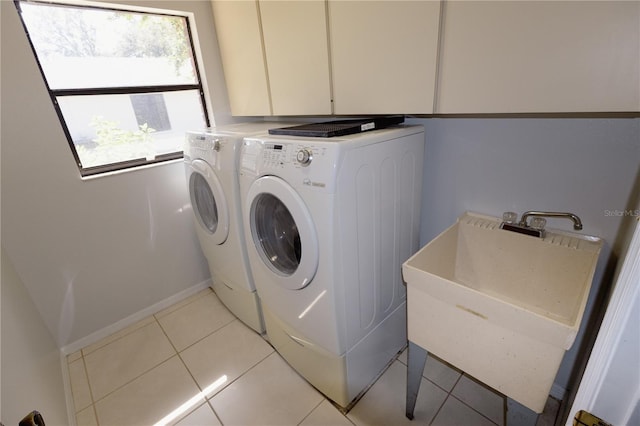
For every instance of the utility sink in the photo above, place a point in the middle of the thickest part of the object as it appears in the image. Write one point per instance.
(501, 306)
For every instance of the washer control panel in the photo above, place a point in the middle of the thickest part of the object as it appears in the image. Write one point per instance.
(278, 156)
(299, 162)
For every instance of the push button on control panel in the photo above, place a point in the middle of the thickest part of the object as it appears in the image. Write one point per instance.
(274, 156)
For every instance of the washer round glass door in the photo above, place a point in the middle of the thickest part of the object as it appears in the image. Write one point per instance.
(283, 232)
(208, 201)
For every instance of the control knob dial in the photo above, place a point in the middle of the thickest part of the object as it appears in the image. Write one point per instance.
(304, 156)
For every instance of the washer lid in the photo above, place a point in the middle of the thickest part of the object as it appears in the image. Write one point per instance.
(209, 203)
(282, 231)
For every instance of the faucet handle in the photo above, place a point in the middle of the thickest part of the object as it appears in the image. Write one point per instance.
(538, 223)
(509, 217)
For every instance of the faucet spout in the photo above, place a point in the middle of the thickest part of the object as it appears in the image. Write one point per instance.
(577, 223)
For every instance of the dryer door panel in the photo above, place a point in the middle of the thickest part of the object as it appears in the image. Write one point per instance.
(282, 232)
(208, 201)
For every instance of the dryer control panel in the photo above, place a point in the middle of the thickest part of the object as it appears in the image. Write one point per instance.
(204, 146)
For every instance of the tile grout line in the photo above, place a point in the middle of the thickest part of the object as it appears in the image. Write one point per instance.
(86, 370)
(200, 339)
(184, 364)
(445, 400)
(444, 389)
(182, 303)
(93, 403)
(195, 299)
(488, 389)
(209, 400)
(206, 398)
(463, 374)
(84, 351)
(467, 405)
(309, 413)
(132, 379)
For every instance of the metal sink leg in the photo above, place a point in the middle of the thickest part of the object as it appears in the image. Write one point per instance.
(416, 358)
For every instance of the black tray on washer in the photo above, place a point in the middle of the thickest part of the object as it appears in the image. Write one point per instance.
(338, 127)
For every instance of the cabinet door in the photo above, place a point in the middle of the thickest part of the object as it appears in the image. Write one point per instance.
(296, 49)
(238, 31)
(539, 56)
(383, 56)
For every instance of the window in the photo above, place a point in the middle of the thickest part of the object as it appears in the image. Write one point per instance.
(125, 83)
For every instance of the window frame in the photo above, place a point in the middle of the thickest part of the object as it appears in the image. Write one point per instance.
(54, 94)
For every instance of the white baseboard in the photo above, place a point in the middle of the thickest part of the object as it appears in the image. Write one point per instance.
(132, 319)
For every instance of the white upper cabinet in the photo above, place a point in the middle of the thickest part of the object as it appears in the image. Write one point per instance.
(291, 58)
(297, 56)
(539, 56)
(356, 57)
(383, 56)
(240, 40)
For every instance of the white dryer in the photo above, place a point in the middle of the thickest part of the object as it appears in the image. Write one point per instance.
(211, 163)
(328, 223)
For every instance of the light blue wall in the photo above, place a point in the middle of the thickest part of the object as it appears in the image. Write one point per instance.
(490, 165)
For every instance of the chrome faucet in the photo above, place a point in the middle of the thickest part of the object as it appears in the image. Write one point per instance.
(577, 223)
(536, 226)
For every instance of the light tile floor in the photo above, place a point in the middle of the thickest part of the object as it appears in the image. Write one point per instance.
(195, 364)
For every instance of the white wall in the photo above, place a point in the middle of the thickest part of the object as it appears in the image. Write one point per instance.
(31, 369)
(491, 165)
(93, 252)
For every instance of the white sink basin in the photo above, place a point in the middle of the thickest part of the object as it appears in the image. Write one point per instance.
(502, 306)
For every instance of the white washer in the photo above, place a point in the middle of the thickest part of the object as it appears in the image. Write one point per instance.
(211, 164)
(328, 223)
